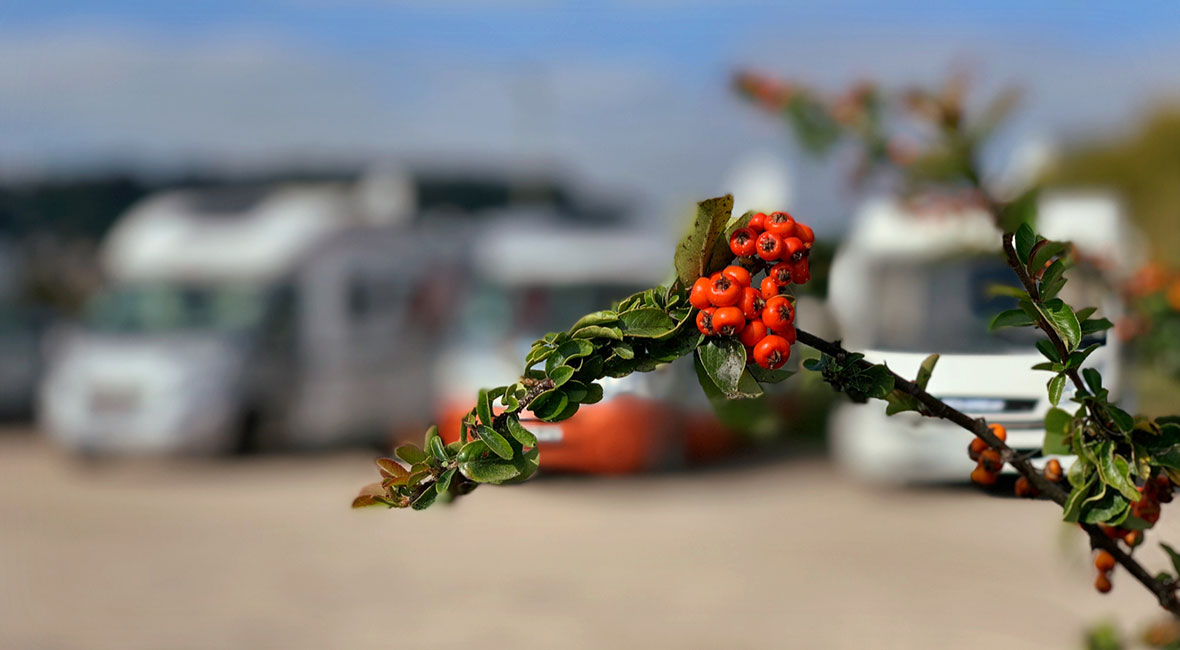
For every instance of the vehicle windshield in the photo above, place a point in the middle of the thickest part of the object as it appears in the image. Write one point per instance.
(493, 312)
(169, 308)
(947, 304)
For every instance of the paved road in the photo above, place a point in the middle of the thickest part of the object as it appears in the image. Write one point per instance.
(265, 554)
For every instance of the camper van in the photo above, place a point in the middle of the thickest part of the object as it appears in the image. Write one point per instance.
(530, 280)
(907, 284)
(235, 319)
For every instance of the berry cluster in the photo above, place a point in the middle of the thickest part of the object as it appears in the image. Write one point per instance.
(762, 318)
(989, 462)
(1155, 491)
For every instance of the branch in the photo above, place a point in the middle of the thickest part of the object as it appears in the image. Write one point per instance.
(940, 409)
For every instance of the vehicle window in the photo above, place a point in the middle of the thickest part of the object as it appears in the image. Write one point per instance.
(493, 312)
(946, 305)
(163, 308)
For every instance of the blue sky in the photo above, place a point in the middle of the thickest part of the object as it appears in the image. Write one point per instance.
(623, 94)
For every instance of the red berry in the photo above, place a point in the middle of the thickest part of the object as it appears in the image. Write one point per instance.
(781, 224)
(757, 222)
(781, 273)
(770, 288)
(754, 331)
(792, 249)
(724, 292)
(805, 234)
(769, 246)
(699, 295)
(801, 271)
(737, 275)
(742, 242)
(705, 321)
(751, 303)
(778, 313)
(788, 333)
(728, 321)
(772, 352)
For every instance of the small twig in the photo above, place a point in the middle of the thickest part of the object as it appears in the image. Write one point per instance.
(935, 407)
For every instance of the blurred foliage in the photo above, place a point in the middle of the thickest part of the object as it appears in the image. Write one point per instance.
(924, 142)
(1143, 167)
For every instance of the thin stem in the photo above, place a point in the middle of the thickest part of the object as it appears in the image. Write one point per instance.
(935, 407)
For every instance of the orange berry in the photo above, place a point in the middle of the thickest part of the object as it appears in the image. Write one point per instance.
(1104, 561)
(999, 431)
(1024, 488)
(991, 460)
(1053, 470)
(1133, 538)
(981, 476)
(976, 448)
(1102, 583)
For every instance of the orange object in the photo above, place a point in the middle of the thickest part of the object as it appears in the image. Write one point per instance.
(976, 448)
(1104, 561)
(1053, 470)
(999, 431)
(622, 435)
(1102, 583)
(981, 476)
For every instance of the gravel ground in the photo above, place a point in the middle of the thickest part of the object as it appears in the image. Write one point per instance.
(264, 553)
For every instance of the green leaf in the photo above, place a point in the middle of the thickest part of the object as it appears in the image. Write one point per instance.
(646, 322)
(722, 256)
(1109, 508)
(1173, 556)
(522, 435)
(1046, 348)
(1121, 418)
(694, 252)
(1010, 318)
(567, 351)
(438, 448)
(1115, 471)
(1077, 357)
(900, 402)
(593, 394)
(1056, 385)
(1086, 312)
(549, 405)
(1062, 318)
(1049, 365)
(425, 500)
(410, 453)
(1025, 238)
(473, 450)
(1093, 325)
(724, 361)
(1056, 433)
(1073, 505)
(1093, 379)
(1045, 253)
(574, 390)
(925, 371)
(764, 376)
(560, 375)
(483, 407)
(444, 481)
(599, 332)
(604, 317)
(495, 442)
(539, 352)
(1053, 280)
(489, 470)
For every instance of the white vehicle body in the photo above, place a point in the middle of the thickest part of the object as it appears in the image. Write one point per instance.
(289, 318)
(906, 285)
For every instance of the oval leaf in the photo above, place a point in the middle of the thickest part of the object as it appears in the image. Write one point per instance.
(494, 441)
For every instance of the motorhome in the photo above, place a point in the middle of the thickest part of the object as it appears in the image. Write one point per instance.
(279, 316)
(908, 283)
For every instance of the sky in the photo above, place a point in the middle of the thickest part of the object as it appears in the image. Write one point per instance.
(629, 96)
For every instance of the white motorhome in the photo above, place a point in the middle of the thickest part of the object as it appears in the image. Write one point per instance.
(907, 284)
(293, 316)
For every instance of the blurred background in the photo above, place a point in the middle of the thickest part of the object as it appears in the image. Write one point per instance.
(246, 247)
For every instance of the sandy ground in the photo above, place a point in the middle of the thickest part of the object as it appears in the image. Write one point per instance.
(264, 553)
